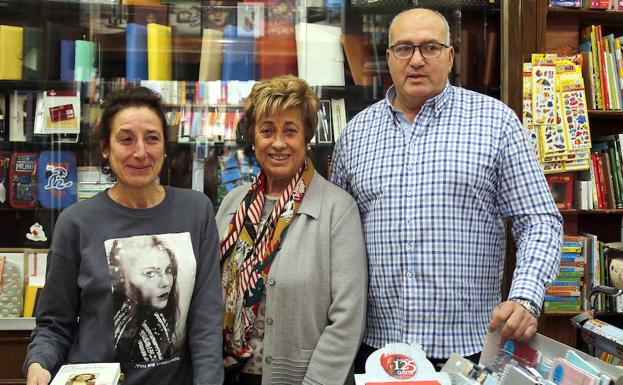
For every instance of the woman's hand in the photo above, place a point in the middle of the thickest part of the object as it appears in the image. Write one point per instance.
(37, 375)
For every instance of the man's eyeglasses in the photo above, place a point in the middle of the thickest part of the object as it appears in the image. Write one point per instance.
(405, 51)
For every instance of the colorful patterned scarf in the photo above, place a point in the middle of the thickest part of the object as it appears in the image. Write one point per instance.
(248, 250)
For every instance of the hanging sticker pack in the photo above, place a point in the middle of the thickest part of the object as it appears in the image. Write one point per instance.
(555, 114)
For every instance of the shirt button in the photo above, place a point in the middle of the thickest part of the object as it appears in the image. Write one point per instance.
(409, 274)
(269, 360)
(269, 321)
(410, 167)
(408, 219)
(408, 193)
(271, 281)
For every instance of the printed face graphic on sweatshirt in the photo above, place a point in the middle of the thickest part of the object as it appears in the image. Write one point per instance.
(152, 278)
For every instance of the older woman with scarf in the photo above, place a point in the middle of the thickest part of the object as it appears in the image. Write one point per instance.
(293, 263)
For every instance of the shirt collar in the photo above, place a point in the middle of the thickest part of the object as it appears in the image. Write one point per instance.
(438, 103)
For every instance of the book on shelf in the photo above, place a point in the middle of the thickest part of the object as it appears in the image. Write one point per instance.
(32, 293)
(561, 187)
(185, 18)
(99, 373)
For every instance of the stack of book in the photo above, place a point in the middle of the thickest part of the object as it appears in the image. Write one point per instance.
(565, 293)
(91, 181)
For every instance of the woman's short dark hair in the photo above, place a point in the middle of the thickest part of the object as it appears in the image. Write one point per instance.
(120, 100)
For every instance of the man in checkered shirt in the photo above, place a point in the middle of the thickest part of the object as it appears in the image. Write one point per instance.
(435, 170)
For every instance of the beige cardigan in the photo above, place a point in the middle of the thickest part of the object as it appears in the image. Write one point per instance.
(316, 289)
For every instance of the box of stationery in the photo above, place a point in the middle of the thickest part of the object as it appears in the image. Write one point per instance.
(542, 360)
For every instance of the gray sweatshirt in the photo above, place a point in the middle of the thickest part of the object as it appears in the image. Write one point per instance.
(136, 286)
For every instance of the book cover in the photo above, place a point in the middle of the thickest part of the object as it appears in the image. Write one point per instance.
(88, 374)
(219, 13)
(147, 14)
(561, 187)
(211, 63)
(136, 52)
(159, 61)
(11, 46)
(185, 18)
(68, 60)
(32, 68)
(250, 17)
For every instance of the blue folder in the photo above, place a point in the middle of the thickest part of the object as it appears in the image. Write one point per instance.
(68, 59)
(238, 56)
(136, 52)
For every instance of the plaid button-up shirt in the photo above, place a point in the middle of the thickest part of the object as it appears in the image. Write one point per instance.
(432, 196)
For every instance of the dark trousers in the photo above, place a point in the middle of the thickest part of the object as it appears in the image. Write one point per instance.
(242, 379)
(365, 351)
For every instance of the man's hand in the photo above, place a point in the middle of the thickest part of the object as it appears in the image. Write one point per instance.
(516, 322)
(37, 375)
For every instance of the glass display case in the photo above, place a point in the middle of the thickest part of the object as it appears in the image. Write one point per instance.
(60, 59)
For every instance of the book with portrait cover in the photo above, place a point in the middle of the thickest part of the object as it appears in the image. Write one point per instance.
(91, 374)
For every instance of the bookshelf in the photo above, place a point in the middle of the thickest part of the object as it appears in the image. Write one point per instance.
(557, 30)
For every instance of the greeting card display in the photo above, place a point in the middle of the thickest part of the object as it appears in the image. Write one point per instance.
(58, 112)
(400, 363)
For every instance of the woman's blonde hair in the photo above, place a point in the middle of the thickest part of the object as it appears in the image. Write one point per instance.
(278, 94)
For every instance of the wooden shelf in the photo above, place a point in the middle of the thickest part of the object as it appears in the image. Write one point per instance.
(594, 16)
(591, 212)
(601, 114)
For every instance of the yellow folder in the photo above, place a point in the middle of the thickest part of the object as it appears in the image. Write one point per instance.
(211, 55)
(158, 52)
(11, 58)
